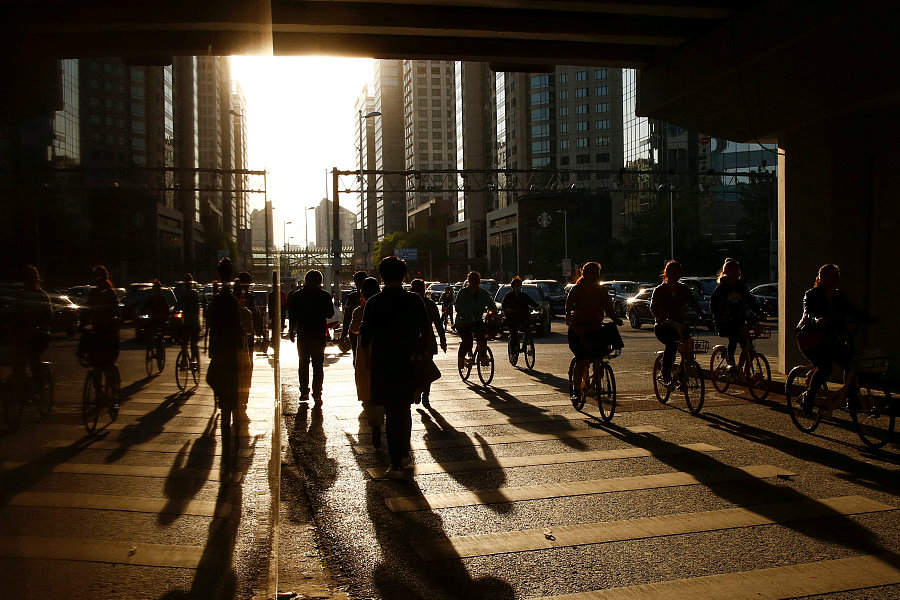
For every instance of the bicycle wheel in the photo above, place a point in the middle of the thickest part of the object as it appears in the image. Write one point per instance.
(182, 370)
(718, 369)
(693, 387)
(14, 405)
(797, 383)
(512, 351)
(873, 414)
(111, 388)
(44, 388)
(485, 371)
(161, 355)
(529, 351)
(758, 375)
(465, 369)
(150, 359)
(90, 408)
(195, 370)
(662, 391)
(576, 397)
(605, 382)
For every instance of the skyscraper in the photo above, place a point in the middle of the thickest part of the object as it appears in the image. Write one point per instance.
(390, 213)
(366, 205)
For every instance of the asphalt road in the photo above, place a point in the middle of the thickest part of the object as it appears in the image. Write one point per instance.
(413, 539)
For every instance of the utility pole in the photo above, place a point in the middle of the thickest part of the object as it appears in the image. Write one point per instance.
(336, 233)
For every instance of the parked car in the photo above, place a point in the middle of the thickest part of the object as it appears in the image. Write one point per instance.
(540, 318)
(703, 288)
(637, 311)
(554, 292)
(767, 297)
(621, 291)
(490, 286)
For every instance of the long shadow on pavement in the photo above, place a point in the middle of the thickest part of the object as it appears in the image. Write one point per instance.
(189, 472)
(149, 425)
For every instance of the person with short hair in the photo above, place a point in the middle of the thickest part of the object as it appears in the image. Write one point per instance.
(516, 307)
(103, 315)
(308, 311)
(226, 346)
(447, 301)
(353, 301)
(471, 303)
(417, 287)
(189, 305)
(157, 309)
(395, 328)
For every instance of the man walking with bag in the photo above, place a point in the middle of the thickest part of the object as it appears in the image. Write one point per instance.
(309, 310)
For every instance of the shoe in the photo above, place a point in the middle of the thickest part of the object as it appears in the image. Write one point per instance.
(805, 404)
(394, 473)
(665, 381)
(304, 397)
(376, 437)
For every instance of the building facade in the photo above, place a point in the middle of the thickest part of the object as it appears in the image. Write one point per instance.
(390, 213)
(366, 231)
(325, 224)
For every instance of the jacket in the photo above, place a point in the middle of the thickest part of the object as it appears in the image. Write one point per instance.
(471, 306)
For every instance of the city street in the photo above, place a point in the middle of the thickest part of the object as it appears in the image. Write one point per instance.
(516, 495)
(143, 509)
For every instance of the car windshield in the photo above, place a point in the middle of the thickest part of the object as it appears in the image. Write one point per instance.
(551, 287)
(625, 289)
(533, 292)
(145, 293)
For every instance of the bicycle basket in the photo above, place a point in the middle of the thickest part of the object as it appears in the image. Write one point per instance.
(699, 346)
(761, 332)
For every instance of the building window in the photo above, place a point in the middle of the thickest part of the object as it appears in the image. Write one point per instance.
(540, 98)
(602, 140)
(602, 91)
(564, 78)
(602, 107)
(563, 144)
(563, 161)
(563, 94)
(540, 147)
(603, 157)
(582, 109)
(581, 142)
(538, 82)
(582, 159)
(540, 114)
(436, 103)
(581, 126)
(581, 76)
(540, 162)
(601, 124)
(600, 74)
(581, 93)
(564, 128)
(564, 111)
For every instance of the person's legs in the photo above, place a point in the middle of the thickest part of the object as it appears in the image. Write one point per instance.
(465, 340)
(398, 427)
(195, 343)
(514, 335)
(303, 351)
(317, 357)
(426, 395)
(732, 346)
(668, 336)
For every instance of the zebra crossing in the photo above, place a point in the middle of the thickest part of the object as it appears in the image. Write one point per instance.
(552, 422)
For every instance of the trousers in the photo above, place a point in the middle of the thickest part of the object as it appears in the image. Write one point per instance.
(311, 351)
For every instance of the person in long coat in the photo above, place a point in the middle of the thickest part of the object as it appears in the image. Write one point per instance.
(395, 327)
(226, 345)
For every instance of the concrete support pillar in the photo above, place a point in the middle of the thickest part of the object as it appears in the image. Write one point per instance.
(837, 189)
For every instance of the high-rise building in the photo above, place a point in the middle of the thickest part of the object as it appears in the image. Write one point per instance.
(366, 231)
(241, 197)
(429, 140)
(187, 160)
(325, 224)
(390, 211)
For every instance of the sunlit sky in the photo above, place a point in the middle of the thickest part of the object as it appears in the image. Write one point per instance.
(300, 123)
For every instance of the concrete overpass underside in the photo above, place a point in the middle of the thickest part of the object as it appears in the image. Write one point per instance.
(818, 78)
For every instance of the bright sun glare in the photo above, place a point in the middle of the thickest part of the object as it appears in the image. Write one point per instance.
(300, 123)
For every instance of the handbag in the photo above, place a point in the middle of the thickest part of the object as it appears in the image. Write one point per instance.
(344, 344)
(425, 371)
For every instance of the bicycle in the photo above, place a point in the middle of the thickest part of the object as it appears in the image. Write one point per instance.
(752, 369)
(187, 364)
(524, 346)
(102, 387)
(483, 359)
(37, 388)
(155, 354)
(871, 407)
(599, 381)
(686, 374)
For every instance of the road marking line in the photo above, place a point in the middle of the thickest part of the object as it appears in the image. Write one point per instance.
(138, 427)
(648, 527)
(464, 439)
(498, 420)
(460, 409)
(125, 553)
(199, 508)
(133, 471)
(578, 488)
(795, 581)
(510, 462)
(142, 447)
(189, 410)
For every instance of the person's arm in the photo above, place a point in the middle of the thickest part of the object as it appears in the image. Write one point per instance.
(292, 315)
(348, 317)
(656, 304)
(367, 325)
(715, 301)
(436, 319)
(329, 310)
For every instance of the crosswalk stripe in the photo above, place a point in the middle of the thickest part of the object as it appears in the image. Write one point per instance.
(199, 508)
(133, 471)
(648, 527)
(125, 553)
(464, 439)
(190, 410)
(775, 583)
(578, 488)
(142, 447)
(485, 407)
(498, 420)
(186, 428)
(509, 462)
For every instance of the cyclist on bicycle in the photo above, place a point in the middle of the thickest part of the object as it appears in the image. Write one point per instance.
(102, 346)
(189, 305)
(733, 308)
(30, 327)
(669, 304)
(471, 303)
(446, 301)
(586, 306)
(822, 331)
(157, 309)
(516, 307)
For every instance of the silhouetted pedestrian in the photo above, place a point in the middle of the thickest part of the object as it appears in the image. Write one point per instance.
(309, 310)
(226, 345)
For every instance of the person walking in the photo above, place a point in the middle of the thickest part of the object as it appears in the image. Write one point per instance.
(434, 318)
(447, 307)
(395, 327)
(350, 306)
(362, 362)
(308, 311)
(226, 345)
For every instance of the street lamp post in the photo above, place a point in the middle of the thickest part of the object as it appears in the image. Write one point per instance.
(284, 233)
(362, 180)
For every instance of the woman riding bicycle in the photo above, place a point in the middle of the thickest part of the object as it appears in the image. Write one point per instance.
(516, 308)
(822, 331)
(669, 304)
(733, 308)
(586, 306)
(102, 347)
(471, 304)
